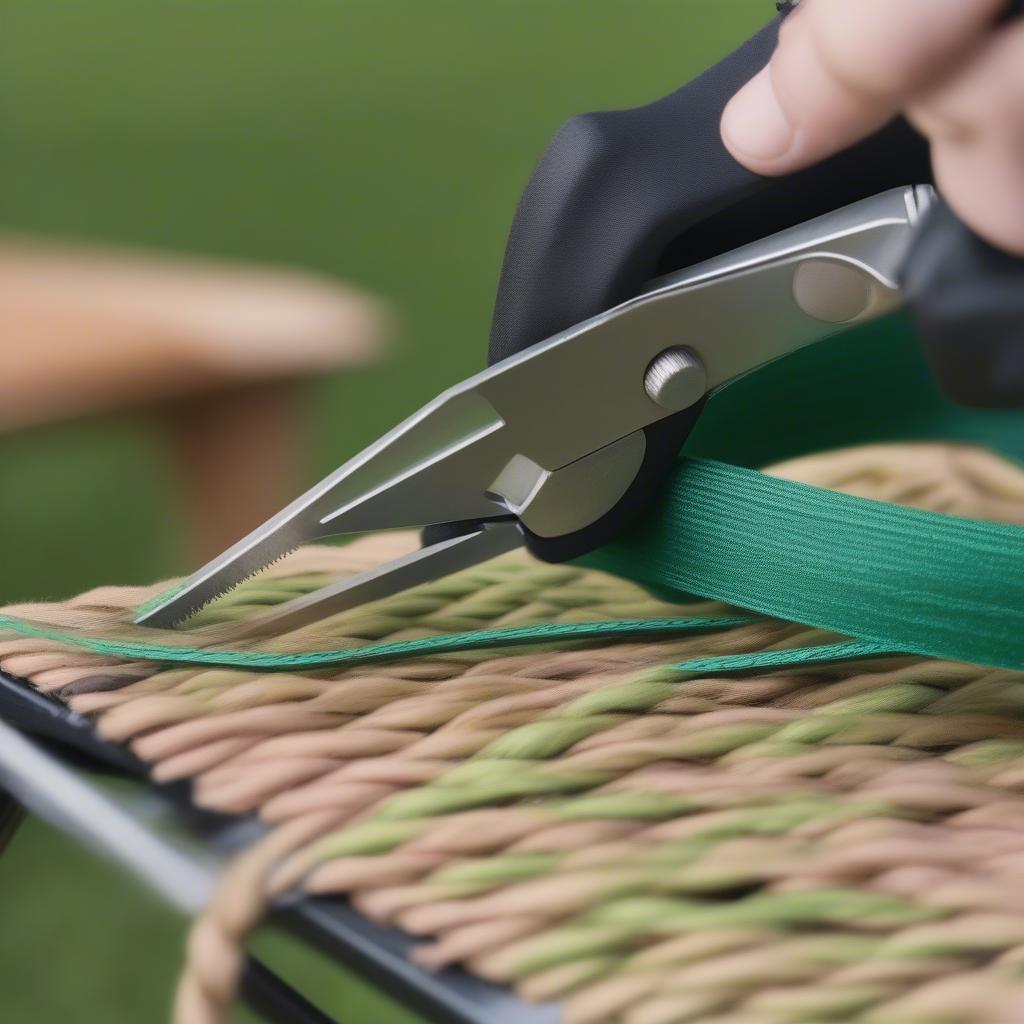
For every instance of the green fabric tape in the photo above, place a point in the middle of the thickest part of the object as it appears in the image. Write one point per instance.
(863, 386)
(921, 582)
(792, 657)
(509, 636)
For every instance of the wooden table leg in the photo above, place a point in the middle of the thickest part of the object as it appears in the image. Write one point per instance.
(240, 457)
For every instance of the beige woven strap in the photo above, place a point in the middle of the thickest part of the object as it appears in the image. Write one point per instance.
(829, 843)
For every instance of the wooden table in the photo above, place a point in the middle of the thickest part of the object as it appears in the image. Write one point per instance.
(215, 350)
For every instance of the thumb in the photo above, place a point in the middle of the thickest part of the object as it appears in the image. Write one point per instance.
(843, 68)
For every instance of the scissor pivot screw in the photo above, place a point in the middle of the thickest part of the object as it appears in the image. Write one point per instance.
(676, 379)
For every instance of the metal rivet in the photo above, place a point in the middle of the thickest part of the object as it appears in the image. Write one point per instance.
(832, 291)
(676, 379)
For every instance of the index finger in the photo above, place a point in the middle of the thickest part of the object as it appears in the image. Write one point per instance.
(843, 68)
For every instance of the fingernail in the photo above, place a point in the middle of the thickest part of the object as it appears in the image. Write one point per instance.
(754, 125)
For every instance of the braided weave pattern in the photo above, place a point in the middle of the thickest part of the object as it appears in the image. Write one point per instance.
(819, 842)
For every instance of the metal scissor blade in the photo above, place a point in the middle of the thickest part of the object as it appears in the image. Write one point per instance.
(271, 541)
(513, 437)
(433, 468)
(422, 566)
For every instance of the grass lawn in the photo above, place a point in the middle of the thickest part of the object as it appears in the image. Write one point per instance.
(384, 141)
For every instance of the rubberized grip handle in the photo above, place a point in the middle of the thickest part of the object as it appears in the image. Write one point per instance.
(967, 300)
(621, 196)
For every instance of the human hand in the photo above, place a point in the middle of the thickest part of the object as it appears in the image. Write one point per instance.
(843, 68)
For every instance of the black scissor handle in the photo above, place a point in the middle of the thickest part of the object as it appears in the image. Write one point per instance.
(967, 300)
(621, 196)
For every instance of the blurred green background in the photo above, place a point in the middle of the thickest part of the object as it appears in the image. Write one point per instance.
(381, 141)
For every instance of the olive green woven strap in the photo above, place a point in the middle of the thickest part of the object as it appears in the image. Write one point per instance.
(920, 582)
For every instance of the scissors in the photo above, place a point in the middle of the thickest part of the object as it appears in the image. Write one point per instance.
(645, 272)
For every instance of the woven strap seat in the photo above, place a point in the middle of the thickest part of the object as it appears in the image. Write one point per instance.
(587, 821)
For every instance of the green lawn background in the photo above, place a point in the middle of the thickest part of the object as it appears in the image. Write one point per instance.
(382, 141)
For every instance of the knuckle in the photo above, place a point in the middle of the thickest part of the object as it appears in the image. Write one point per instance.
(878, 48)
(987, 99)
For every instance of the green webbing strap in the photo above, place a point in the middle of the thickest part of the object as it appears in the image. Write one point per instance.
(921, 582)
(507, 636)
(790, 657)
